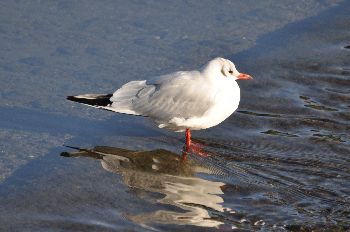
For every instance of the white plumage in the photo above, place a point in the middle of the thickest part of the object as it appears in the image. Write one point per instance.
(178, 101)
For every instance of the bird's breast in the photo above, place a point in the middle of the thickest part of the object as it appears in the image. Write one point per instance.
(226, 101)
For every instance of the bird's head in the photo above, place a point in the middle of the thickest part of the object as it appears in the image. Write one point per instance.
(224, 68)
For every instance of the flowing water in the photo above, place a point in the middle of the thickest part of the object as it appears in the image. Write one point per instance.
(280, 163)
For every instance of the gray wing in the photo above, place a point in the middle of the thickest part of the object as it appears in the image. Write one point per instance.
(180, 94)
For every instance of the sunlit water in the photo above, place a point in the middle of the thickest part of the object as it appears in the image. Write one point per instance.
(280, 163)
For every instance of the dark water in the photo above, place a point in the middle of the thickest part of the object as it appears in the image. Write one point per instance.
(281, 163)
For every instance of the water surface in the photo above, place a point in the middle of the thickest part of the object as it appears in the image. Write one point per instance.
(280, 163)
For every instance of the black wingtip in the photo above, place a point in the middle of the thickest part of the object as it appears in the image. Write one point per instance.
(92, 99)
(71, 98)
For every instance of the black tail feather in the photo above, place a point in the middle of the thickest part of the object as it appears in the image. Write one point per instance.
(92, 99)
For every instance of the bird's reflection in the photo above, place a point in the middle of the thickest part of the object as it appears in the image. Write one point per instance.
(167, 173)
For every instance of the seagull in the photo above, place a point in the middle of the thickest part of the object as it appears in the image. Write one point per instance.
(181, 101)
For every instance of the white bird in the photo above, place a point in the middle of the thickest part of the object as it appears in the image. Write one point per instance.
(179, 101)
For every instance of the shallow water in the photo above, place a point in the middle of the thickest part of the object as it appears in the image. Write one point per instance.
(280, 163)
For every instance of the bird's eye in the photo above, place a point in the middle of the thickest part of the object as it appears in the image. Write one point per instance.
(231, 72)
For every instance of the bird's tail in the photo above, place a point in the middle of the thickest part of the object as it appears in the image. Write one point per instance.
(95, 100)
(101, 101)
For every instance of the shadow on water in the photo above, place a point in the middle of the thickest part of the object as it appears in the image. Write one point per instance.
(232, 186)
(172, 176)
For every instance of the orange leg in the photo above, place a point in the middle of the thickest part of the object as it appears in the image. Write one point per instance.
(188, 138)
(184, 155)
(192, 147)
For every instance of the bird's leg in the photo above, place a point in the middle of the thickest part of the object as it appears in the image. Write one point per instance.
(188, 138)
(188, 144)
(192, 147)
(184, 155)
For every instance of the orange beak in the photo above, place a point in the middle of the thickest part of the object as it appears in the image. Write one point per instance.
(243, 76)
